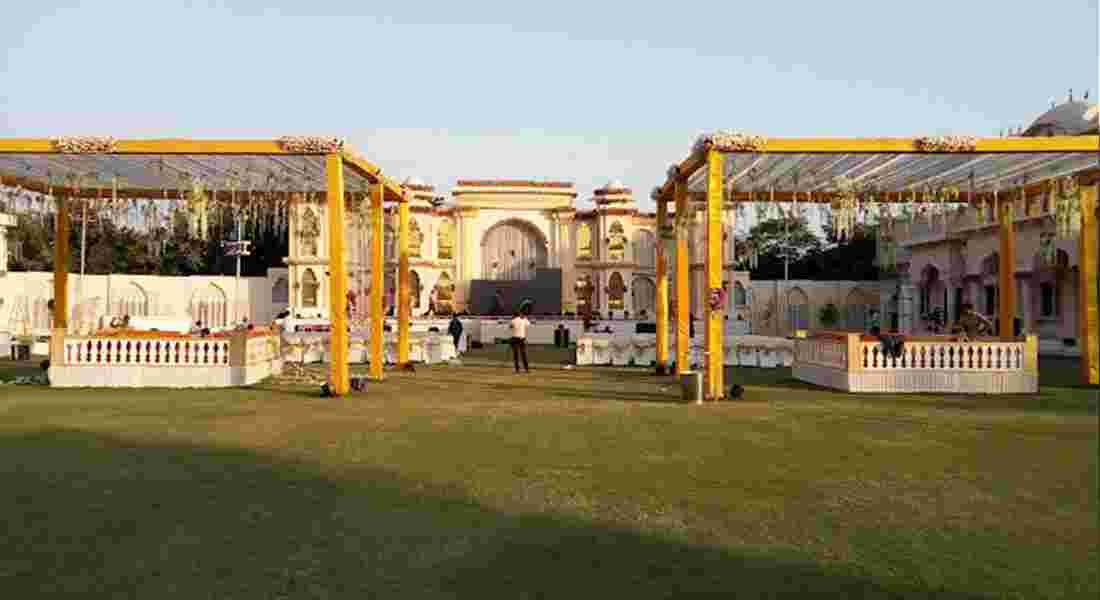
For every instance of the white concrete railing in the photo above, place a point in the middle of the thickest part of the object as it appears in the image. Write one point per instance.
(641, 350)
(925, 364)
(140, 361)
(428, 348)
(146, 351)
(827, 353)
(959, 356)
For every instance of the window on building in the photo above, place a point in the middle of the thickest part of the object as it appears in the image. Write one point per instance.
(310, 286)
(446, 240)
(1048, 304)
(990, 300)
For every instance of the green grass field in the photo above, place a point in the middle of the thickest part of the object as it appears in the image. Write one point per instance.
(474, 482)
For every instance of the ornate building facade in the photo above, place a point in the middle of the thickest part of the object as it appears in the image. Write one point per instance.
(506, 230)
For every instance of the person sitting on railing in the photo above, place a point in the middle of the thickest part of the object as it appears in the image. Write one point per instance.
(970, 323)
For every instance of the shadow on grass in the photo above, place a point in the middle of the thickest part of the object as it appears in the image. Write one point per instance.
(104, 516)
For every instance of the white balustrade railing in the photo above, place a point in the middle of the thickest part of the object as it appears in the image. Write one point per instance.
(921, 364)
(954, 356)
(824, 352)
(87, 351)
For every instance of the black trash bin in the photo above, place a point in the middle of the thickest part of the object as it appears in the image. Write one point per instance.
(564, 338)
(557, 338)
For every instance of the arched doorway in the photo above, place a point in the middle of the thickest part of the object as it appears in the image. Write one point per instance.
(585, 290)
(645, 249)
(512, 250)
(858, 306)
(616, 291)
(310, 288)
(798, 309)
(414, 289)
(444, 294)
(644, 292)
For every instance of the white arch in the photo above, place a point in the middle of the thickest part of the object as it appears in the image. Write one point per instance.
(512, 249)
(210, 304)
(133, 301)
(644, 292)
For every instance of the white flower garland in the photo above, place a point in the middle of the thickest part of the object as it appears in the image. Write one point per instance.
(310, 144)
(85, 145)
(948, 143)
(729, 141)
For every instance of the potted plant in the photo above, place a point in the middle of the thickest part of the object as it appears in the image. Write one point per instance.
(828, 315)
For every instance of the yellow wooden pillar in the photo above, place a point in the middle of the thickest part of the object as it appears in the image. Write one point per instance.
(377, 275)
(60, 282)
(1088, 319)
(714, 322)
(404, 307)
(338, 278)
(683, 301)
(662, 288)
(1007, 274)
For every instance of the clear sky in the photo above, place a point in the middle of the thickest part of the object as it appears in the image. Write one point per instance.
(581, 91)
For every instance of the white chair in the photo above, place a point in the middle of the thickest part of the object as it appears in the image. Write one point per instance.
(645, 350)
(585, 351)
(433, 350)
(601, 351)
(769, 358)
(5, 344)
(729, 353)
(389, 351)
(746, 356)
(622, 350)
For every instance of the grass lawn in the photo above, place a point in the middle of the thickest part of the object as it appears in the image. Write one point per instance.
(474, 482)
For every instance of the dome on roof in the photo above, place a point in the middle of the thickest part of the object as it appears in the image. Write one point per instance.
(614, 185)
(415, 182)
(1072, 117)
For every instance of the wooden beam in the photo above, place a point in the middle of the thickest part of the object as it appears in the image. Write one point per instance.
(662, 289)
(683, 297)
(1088, 312)
(157, 146)
(715, 357)
(374, 173)
(338, 281)
(1007, 273)
(404, 306)
(377, 277)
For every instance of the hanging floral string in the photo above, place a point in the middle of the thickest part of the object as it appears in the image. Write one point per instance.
(1067, 216)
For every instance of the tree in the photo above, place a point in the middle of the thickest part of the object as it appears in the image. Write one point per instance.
(774, 240)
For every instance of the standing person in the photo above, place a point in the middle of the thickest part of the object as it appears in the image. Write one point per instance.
(455, 329)
(432, 296)
(498, 304)
(519, 340)
(970, 323)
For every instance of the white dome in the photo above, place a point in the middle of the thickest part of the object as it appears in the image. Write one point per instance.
(415, 181)
(1073, 117)
(615, 185)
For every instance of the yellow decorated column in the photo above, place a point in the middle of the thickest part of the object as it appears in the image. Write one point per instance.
(714, 312)
(662, 288)
(377, 281)
(1088, 319)
(338, 277)
(60, 282)
(1007, 274)
(683, 297)
(404, 307)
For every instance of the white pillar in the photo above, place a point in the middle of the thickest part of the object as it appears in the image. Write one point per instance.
(5, 222)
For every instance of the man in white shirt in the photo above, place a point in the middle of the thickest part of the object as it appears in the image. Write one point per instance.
(519, 340)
